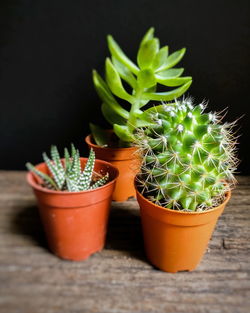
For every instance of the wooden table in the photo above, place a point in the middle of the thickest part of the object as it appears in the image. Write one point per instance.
(119, 279)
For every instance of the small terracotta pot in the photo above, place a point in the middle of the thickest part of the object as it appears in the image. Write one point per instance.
(175, 240)
(75, 222)
(127, 163)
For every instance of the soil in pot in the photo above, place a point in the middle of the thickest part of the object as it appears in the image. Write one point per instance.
(75, 223)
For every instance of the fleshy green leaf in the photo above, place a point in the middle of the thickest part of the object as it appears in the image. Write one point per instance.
(167, 96)
(71, 185)
(115, 83)
(172, 82)
(148, 36)
(67, 160)
(173, 59)
(111, 116)
(124, 72)
(160, 58)
(102, 181)
(142, 123)
(147, 53)
(117, 52)
(57, 161)
(54, 171)
(146, 78)
(170, 73)
(75, 170)
(105, 94)
(144, 102)
(86, 175)
(73, 150)
(48, 181)
(123, 132)
(99, 135)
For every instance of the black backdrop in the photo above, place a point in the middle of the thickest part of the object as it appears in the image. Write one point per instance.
(48, 49)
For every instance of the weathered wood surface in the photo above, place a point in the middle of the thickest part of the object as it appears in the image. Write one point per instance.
(119, 279)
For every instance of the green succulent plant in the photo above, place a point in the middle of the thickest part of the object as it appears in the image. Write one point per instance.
(188, 157)
(68, 175)
(154, 67)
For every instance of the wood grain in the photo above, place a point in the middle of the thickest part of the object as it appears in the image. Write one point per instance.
(119, 279)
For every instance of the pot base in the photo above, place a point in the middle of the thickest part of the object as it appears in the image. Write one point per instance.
(175, 240)
(77, 258)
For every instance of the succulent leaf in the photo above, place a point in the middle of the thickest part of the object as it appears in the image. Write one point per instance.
(172, 82)
(48, 182)
(167, 96)
(124, 72)
(100, 136)
(123, 132)
(115, 83)
(67, 160)
(147, 53)
(172, 60)
(170, 73)
(148, 36)
(146, 78)
(111, 116)
(68, 175)
(56, 159)
(102, 181)
(106, 95)
(86, 175)
(117, 52)
(75, 169)
(160, 58)
(154, 67)
(55, 171)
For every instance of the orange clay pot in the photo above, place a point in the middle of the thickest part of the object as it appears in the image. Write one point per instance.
(75, 222)
(127, 163)
(175, 240)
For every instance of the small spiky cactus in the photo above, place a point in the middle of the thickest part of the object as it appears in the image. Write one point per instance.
(68, 175)
(188, 155)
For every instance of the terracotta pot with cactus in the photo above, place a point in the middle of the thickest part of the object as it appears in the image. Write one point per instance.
(188, 161)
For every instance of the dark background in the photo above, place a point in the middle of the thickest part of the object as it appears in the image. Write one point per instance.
(48, 49)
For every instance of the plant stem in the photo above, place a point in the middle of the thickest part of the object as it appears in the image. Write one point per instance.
(134, 107)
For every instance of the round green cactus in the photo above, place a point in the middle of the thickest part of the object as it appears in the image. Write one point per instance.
(188, 155)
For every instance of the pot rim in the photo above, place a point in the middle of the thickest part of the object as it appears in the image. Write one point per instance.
(228, 196)
(31, 181)
(89, 142)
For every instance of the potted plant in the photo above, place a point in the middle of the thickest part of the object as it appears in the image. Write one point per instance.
(154, 68)
(188, 161)
(73, 196)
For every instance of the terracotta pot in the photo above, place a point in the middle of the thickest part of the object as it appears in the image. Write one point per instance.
(75, 222)
(175, 240)
(126, 162)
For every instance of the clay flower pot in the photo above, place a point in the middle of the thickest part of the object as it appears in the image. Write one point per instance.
(75, 222)
(126, 162)
(175, 240)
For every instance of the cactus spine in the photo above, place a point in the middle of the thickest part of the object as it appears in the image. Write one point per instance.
(186, 157)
